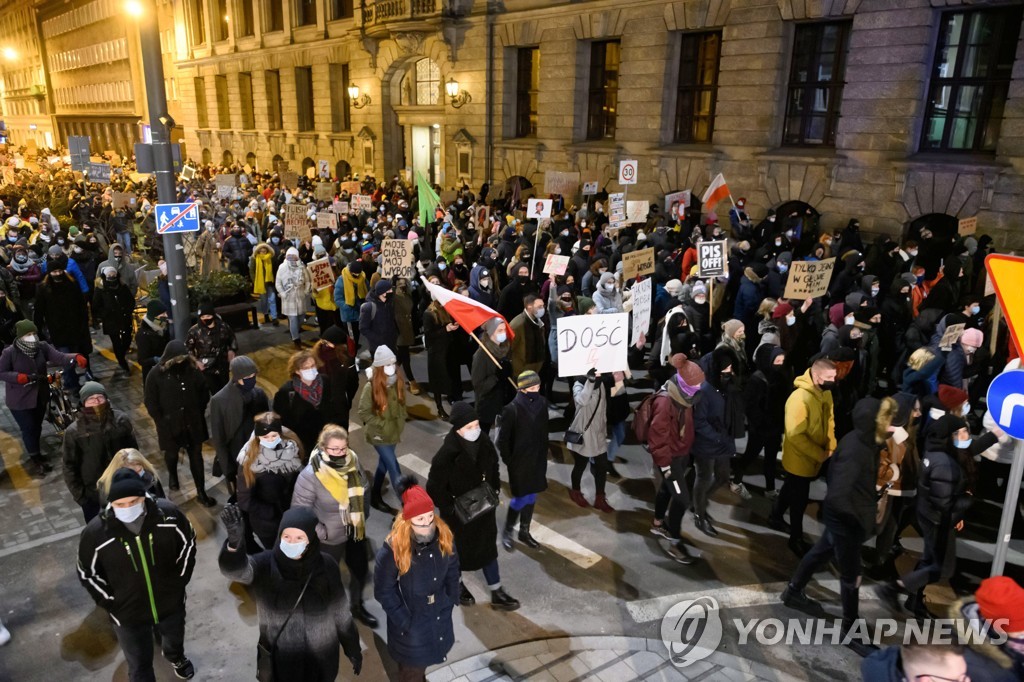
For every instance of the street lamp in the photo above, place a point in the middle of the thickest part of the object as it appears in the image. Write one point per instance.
(133, 8)
(357, 101)
(457, 97)
(10, 54)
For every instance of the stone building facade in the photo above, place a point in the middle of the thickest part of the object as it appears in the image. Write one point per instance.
(26, 106)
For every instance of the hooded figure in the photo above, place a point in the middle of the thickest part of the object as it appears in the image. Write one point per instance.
(117, 259)
(297, 583)
(491, 384)
(607, 297)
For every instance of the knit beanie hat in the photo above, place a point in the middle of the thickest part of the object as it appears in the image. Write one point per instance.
(1001, 597)
(155, 308)
(261, 428)
(952, 397)
(305, 520)
(91, 388)
(22, 327)
(699, 289)
(782, 310)
(125, 483)
(462, 414)
(972, 337)
(690, 372)
(335, 335)
(674, 287)
(241, 367)
(382, 287)
(383, 356)
(527, 379)
(586, 305)
(492, 324)
(415, 500)
(730, 327)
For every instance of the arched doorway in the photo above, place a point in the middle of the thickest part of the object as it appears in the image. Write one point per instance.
(798, 216)
(934, 248)
(277, 163)
(342, 170)
(227, 158)
(207, 157)
(413, 106)
(250, 160)
(307, 163)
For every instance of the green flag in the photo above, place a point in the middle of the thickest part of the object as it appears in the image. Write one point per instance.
(428, 199)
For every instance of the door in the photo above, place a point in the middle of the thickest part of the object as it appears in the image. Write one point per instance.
(421, 156)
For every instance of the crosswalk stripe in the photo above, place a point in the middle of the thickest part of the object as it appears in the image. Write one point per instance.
(553, 540)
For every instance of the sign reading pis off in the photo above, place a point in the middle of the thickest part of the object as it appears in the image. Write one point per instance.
(711, 259)
(627, 172)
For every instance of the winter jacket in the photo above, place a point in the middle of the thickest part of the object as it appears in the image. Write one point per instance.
(293, 288)
(114, 305)
(851, 502)
(125, 269)
(333, 523)
(438, 341)
(671, 431)
(403, 306)
(749, 297)
(210, 346)
(377, 324)
(605, 301)
(942, 486)
(236, 251)
(150, 345)
(491, 384)
(138, 579)
(478, 293)
(712, 438)
(528, 348)
(62, 312)
(89, 445)
(458, 467)
(419, 603)
(231, 422)
(386, 428)
(591, 418)
(523, 443)
(13, 362)
(306, 419)
(810, 428)
(176, 395)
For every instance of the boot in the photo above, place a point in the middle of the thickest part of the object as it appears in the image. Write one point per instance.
(577, 497)
(915, 604)
(798, 599)
(798, 547)
(414, 388)
(173, 483)
(466, 597)
(360, 613)
(889, 594)
(266, 318)
(856, 644)
(506, 534)
(703, 524)
(380, 505)
(205, 499)
(525, 518)
(601, 504)
(43, 463)
(612, 471)
(232, 491)
(34, 468)
(501, 600)
(441, 414)
(297, 343)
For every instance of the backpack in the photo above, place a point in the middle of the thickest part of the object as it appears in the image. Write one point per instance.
(643, 416)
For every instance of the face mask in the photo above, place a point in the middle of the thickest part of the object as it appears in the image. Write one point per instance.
(292, 261)
(501, 336)
(248, 383)
(12, 238)
(790, 320)
(270, 443)
(912, 254)
(778, 242)
(118, 258)
(472, 434)
(899, 435)
(308, 374)
(962, 444)
(61, 241)
(827, 385)
(975, 309)
(163, 269)
(700, 300)
(275, 240)
(129, 514)
(539, 313)
(485, 284)
(30, 338)
(726, 379)
(966, 410)
(874, 291)
(782, 267)
(21, 258)
(293, 550)
(848, 319)
(210, 322)
(390, 370)
(609, 287)
(442, 266)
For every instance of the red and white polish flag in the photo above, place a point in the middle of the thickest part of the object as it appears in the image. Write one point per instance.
(468, 313)
(715, 192)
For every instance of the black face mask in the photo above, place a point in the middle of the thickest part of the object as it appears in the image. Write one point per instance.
(827, 385)
(209, 323)
(725, 380)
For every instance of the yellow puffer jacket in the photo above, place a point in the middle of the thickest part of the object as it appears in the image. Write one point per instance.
(810, 428)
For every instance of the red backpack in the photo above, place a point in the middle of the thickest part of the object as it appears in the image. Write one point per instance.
(643, 416)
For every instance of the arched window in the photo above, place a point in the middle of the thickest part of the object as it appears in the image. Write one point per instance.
(207, 157)
(342, 170)
(250, 159)
(306, 164)
(227, 158)
(428, 82)
(277, 160)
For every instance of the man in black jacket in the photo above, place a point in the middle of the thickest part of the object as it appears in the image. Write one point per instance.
(377, 318)
(152, 337)
(232, 411)
(135, 560)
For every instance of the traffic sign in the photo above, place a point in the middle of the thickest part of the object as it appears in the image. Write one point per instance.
(173, 218)
(627, 172)
(1005, 396)
(1006, 273)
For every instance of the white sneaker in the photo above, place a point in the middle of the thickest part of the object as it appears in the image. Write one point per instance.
(5, 634)
(741, 490)
(771, 494)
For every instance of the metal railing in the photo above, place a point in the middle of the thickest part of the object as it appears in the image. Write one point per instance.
(381, 11)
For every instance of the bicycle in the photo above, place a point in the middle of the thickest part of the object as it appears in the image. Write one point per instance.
(59, 411)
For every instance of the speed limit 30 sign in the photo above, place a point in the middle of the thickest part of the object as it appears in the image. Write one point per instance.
(627, 172)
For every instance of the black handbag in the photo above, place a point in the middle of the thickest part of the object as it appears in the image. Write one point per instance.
(471, 505)
(265, 654)
(576, 437)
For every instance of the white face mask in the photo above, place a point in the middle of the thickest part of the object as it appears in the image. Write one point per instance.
(270, 443)
(472, 434)
(308, 374)
(966, 409)
(293, 550)
(501, 336)
(874, 291)
(790, 320)
(30, 338)
(539, 314)
(700, 300)
(849, 319)
(899, 435)
(390, 370)
(129, 514)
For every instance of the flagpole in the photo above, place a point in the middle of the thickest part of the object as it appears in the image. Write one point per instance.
(493, 359)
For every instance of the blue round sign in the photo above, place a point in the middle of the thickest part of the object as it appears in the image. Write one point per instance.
(1006, 402)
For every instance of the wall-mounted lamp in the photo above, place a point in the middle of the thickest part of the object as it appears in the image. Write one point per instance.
(357, 101)
(457, 97)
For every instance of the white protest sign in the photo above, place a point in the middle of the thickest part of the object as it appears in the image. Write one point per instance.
(590, 187)
(636, 211)
(809, 279)
(642, 299)
(711, 259)
(396, 258)
(555, 265)
(592, 341)
(362, 202)
(324, 168)
(538, 209)
(326, 220)
(616, 209)
(627, 172)
(682, 197)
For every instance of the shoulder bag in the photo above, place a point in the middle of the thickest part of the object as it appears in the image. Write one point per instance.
(264, 653)
(576, 437)
(472, 504)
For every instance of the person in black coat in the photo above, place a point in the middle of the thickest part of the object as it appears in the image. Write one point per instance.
(850, 509)
(510, 302)
(301, 602)
(377, 323)
(237, 250)
(765, 397)
(491, 384)
(416, 581)
(232, 411)
(331, 351)
(62, 312)
(523, 444)
(176, 396)
(713, 444)
(114, 303)
(465, 462)
(152, 337)
(310, 399)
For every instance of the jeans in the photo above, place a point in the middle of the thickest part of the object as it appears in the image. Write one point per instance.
(387, 463)
(846, 550)
(125, 240)
(795, 492)
(137, 644)
(295, 326)
(711, 473)
(618, 436)
(491, 574)
(30, 422)
(70, 377)
(268, 304)
(673, 495)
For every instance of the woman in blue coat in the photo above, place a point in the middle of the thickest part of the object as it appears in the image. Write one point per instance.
(416, 581)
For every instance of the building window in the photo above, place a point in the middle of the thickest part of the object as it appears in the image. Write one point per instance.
(245, 94)
(304, 96)
(275, 15)
(341, 9)
(223, 103)
(245, 22)
(428, 82)
(306, 12)
(202, 115)
(340, 113)
(273, 84)
(223, 22)
(527, 87)
(603, 92)
(698, 86)
(816, 84)
(198, 21)
(970, 80)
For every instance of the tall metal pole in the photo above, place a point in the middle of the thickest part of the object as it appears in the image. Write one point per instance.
(1009, 509)
(156, 98)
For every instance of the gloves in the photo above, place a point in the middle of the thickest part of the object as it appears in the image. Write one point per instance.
(82, 361)
(23, 378)
(592, 375)
(231, 517)
(357, 663)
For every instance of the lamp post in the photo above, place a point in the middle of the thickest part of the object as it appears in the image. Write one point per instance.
(144, 12)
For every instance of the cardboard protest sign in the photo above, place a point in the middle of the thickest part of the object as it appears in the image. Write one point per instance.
(321, 274)
(248, 169)
(636, 211)
(225, 191)
(121, 200)
(590, 187)
(396, 258)
(682, 197)
(538, 209)
(340, 207)
(643, 293)
(951, 336)
(326, 220)
(616, 210)
(558, 182)
(967, 226)
(138, 177)
(362, 202)
(187, 173)
(311, 172)
(351, 187)
(296, 227)
(30, 147)
(289, 179)
(636, 263)
(809, 279)
(324, 191)
(448, 197)
(226, 180)
(592, 341)
(555, 265)
(711, 259)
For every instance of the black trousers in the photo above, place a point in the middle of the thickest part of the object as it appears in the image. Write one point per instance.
(356, 556)
(845, 547)
(195, 463)
(758, 440)
(120, 342)
(712, 472)
(673, 495)
(137, 644)
(402, 353)
(598, 467)
(795, 492)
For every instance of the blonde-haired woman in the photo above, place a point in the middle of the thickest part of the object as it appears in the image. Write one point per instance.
(334, 487)
(267, 467)
(416, 581)
(921, 375)
(129, 458)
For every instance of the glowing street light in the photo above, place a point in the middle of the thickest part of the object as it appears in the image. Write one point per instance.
(10, 54)
(133, 8)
